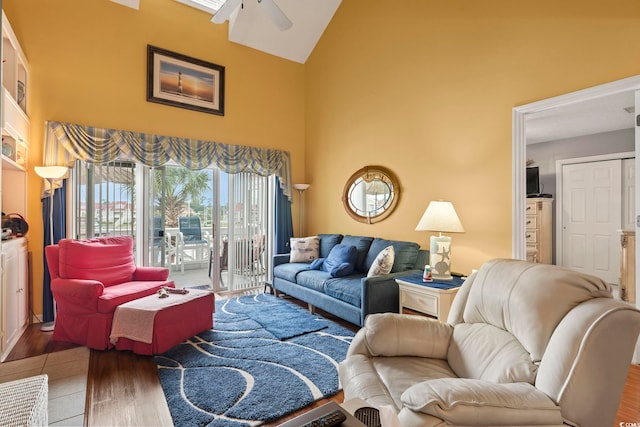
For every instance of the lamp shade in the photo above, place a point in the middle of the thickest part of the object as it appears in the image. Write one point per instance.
(301, 187)
(440, 216)
(51, 172)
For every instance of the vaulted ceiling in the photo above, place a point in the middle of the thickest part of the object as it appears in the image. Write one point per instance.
(250, 26)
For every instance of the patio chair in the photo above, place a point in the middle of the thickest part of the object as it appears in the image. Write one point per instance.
(193, 243)
(258, 244)
(165, 241)
(224, 259)
(172, 255)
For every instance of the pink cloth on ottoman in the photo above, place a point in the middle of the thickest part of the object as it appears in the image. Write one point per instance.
(152, 325)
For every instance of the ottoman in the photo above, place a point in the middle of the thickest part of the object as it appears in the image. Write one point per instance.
(153, 325)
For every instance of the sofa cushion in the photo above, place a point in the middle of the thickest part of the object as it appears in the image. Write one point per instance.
(115, 295)
(383, 262)
(106, 259)
(313, 279)
(362, 244)
(289, 271)
(406, 254)
(304, 249)
(339, 263)
(327, 242)
(347, 289)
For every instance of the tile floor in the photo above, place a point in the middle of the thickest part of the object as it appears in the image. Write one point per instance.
(67, 371)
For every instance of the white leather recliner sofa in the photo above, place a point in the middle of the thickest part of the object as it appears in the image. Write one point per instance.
(524, 345)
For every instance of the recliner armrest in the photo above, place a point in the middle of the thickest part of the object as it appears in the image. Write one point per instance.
(463, 401)
(392, 334)
(150, 273)
(78, 296)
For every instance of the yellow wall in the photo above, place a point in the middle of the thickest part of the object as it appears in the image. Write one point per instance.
(88, 65)
(426, 88)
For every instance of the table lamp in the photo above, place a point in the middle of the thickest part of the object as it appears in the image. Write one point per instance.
(440, 216)
(50, 173)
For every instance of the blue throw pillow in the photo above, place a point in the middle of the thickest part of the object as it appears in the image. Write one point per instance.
(316, 264)
(341, 260)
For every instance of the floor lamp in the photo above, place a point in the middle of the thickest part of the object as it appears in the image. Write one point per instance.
(50, 173)
(301, 188)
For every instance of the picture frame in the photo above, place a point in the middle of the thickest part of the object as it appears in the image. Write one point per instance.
(185, 82)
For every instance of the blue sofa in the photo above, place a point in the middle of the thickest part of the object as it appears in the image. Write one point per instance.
(355, 296)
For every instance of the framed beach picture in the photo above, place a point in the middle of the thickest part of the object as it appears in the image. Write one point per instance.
(182, 81)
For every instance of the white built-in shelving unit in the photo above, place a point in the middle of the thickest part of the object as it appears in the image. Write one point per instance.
(14, 122)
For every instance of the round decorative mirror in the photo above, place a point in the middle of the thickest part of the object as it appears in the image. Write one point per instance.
(371, 194)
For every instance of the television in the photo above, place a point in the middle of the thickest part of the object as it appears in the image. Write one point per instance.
(533, 180)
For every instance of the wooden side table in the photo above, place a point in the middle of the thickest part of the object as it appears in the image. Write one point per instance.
(432, 298)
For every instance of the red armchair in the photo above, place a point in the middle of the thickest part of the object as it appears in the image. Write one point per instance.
(89, 279)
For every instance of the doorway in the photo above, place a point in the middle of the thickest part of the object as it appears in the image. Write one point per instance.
(522, 113)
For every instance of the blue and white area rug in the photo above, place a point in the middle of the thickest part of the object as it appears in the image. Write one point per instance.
(264, 358)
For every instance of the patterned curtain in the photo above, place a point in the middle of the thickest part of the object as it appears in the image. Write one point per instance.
(100, 145)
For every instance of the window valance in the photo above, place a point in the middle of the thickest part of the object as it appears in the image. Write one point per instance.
(67, 142)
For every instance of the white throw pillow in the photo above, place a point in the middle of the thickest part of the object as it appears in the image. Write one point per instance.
(304, 249)
(383, 262)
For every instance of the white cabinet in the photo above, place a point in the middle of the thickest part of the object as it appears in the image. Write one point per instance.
(539, 222)
(15, 126)
(14, 295)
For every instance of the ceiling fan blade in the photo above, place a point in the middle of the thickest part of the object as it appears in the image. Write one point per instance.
(225, 11)
(276, 14)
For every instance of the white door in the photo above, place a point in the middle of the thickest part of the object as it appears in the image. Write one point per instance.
(629, 194)
(592, 216)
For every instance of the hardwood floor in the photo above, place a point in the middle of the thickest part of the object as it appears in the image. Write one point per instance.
(629, 409)
(123, 389)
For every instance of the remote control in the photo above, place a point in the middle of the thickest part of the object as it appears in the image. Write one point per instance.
(177, 291)
(333, 418)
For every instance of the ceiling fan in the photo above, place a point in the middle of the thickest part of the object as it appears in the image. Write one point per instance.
(268, 6)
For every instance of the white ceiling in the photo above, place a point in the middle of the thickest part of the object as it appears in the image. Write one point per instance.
(250, 26)
(585, 118)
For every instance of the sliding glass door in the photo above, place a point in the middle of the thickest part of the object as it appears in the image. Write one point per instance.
(212, 229)
(103, 202)
(181, 223)
(248, 234)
